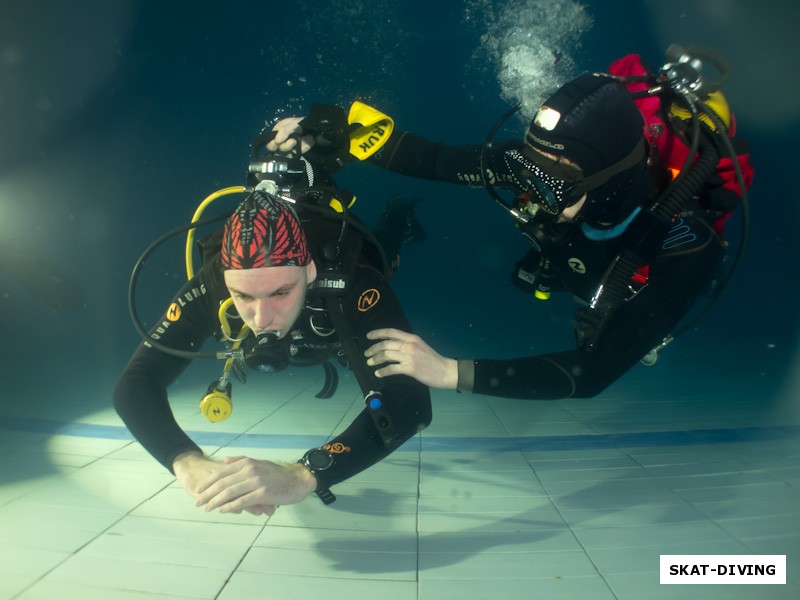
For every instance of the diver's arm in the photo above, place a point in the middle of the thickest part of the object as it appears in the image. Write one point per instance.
(636, 327)
(398, 352)
(410, 154)
(406, 401)
(568, 374)
(140, 396)
(401, 152)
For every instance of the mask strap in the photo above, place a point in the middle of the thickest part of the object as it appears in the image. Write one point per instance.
(599, 178)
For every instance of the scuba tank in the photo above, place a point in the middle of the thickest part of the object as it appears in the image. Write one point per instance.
(694, 103)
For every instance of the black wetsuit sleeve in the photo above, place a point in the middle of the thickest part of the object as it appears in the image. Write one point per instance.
(409, 154)
(369, 305)
(635, 328)
(140, 396)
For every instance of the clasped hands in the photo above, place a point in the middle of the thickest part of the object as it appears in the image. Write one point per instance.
(241, 483)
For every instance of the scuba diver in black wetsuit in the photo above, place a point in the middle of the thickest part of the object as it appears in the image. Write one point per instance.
(301, 280)
(594, 200)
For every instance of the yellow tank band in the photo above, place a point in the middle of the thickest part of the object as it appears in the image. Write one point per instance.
(540, 295)
(717, 102)
(338, 205)
(372, 131)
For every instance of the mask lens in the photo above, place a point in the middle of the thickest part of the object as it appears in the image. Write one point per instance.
(547, 191)
(551, 193)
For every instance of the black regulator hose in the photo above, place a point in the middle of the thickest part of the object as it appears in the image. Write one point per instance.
(487, 145)
(137, 322)
(745, 230)
(643, 238)
(693, 182)
(362, 229)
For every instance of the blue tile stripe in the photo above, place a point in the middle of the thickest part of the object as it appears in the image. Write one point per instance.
(691, 437)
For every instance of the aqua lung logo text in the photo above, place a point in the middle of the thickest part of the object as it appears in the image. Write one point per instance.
(160, 330)
(191, 295)
(175, 310)
(491, 177)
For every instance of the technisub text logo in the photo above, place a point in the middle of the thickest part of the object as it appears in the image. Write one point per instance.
(329, 284)
(725, 569)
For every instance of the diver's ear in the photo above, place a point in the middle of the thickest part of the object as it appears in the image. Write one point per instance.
(311, 272)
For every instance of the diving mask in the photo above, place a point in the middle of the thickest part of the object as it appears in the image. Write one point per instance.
(550, 185)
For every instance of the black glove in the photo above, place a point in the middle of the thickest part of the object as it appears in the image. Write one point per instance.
(328, 125)
(589, 325)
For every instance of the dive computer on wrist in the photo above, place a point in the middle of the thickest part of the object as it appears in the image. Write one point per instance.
(317, 460)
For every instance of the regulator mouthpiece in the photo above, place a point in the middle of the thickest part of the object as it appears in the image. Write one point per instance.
(265, 354)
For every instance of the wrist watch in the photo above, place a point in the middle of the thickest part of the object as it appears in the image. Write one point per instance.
(317, 460)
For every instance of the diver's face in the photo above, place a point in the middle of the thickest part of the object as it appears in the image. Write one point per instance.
(270, 298)
(570, 168)
(568, 214)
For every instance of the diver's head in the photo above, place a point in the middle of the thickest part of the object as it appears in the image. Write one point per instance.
(585, 144)
(266, 263)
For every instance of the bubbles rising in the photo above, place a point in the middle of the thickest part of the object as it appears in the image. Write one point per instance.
(530, 44)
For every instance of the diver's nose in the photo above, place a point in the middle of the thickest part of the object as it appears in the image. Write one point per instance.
(263, 317)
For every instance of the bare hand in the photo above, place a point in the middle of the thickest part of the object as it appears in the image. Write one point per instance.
(193, 469)
(408, 354)
(288, 131)
(257, 486)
